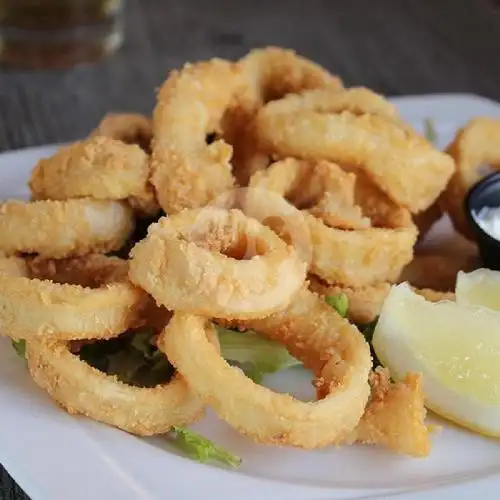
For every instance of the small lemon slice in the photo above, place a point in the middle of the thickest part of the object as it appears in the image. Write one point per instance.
(456, 348)
(480, 288)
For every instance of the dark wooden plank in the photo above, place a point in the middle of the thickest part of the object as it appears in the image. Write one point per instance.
(392, 46)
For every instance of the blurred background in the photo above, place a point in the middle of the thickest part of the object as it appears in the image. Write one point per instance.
(392, 46)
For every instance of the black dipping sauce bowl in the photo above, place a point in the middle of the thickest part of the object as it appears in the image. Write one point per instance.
(486, 193)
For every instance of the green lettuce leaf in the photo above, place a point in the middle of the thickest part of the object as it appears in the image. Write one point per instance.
(339, 302)
(200, 448)
(256, 355)
(20, 347)
(430, 130)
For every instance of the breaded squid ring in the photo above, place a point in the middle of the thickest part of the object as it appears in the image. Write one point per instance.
(191, 262)
(82, 389)
(365, 303)
(269, 73)
(273, 72)
(357, 100)
(353, 258)
(333, 349)
(101, 168)
(404, 165)
(58, 229)
(377, 206)
(361, 257)
(131, 128)
(476, 144)
(188, 172)
(65, 311)
(13, 266)
(322, 189)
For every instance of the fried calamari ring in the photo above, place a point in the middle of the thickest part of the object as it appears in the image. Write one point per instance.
(90, 271)
(13, 266)
(322, 188)
(99, 168)
(58, 229)
(474, 145)
(188, 172)
(192, 262)
(82, 389)
(65, 311)
(332, 348)
(357, 100)
(269, 73)
(273, 72)
(365, 303)
(377, 206)
(131, 128)
(404, 165)
(426, 219)
(354, 258)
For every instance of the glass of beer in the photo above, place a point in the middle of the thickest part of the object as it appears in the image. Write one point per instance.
(39, 34)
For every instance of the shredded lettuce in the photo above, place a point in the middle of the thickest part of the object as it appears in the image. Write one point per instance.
(20, 347)
(256, 355)
(134, 358)
(200, 448)
(339, 302)
(430, 130)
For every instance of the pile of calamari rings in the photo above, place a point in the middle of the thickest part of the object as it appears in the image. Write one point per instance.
(265, 185)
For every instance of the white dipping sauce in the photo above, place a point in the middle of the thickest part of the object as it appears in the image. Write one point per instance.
(488, 219)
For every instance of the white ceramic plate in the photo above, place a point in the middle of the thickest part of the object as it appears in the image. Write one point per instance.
(54, 456)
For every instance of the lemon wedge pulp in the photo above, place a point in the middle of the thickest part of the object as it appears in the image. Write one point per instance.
(457, 349)
(481, 288)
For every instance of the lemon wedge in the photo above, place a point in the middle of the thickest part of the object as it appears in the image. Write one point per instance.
(457, 349)
(481, 288)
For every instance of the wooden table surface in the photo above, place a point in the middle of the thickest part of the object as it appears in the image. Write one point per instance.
(392, 46)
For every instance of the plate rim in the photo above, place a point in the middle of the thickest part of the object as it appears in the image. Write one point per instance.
(414, 105)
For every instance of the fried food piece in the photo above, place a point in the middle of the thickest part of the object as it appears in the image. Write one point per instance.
(99, 168)
(65, 310)
(130, 128)
(438, 271)
(395, 415)
(323, 189)
(186, 171)
(58, 229)
(269, 73)
(474, 145)
(426, 219)
(330, 346)
(357, 100)
(82, 389)
(364, 302)
(376, 205)
(217, 263)
(273, 72)
(360, 258)
(13, 266)
(91, 271)
(402, 164)
(353, 258)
